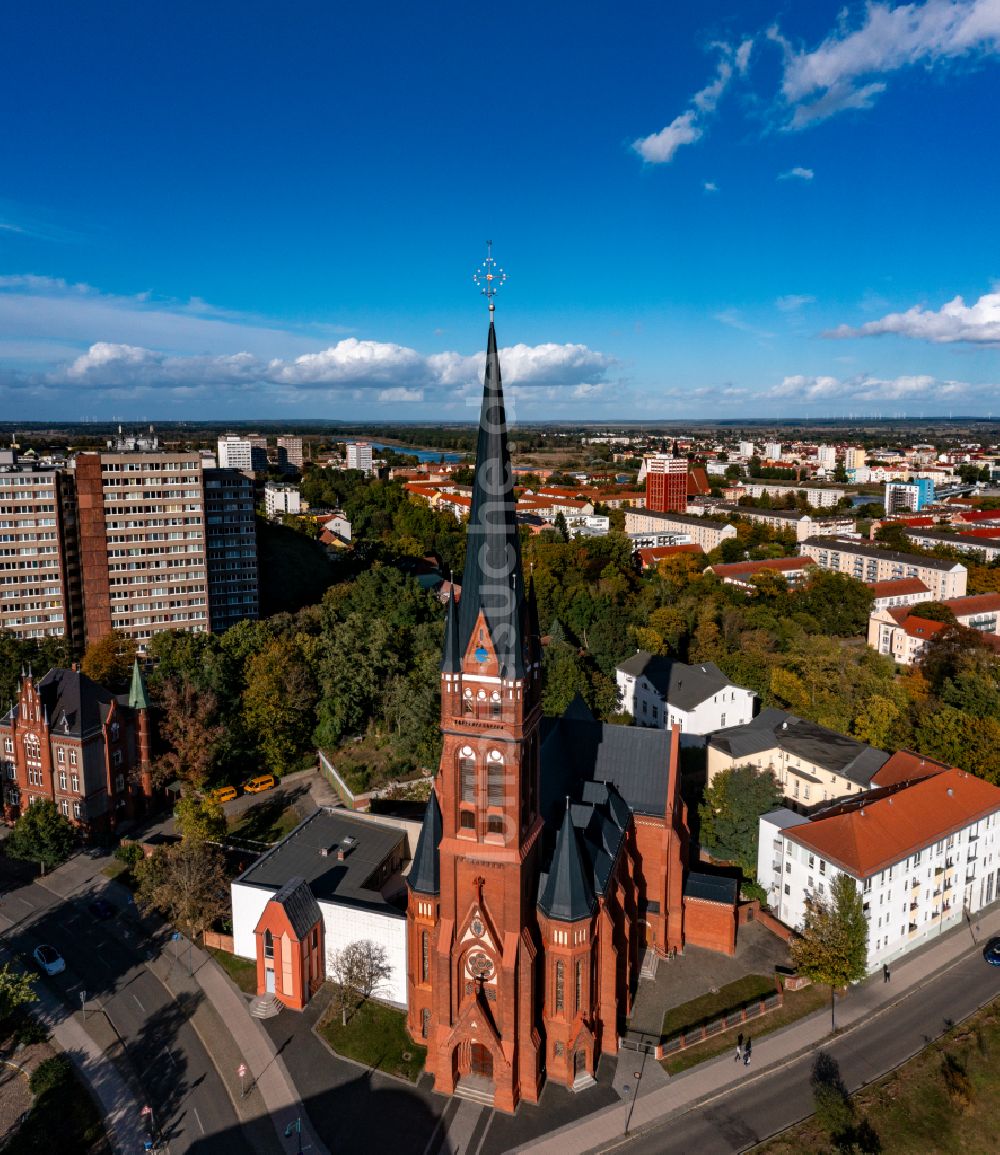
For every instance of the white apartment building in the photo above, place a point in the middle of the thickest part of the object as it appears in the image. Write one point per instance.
(293, 449)
(854, 459)
(359, 456)
(772, 450)
(746, 449)
(987, 549)
(819, 497)
(865, 562)
(646, 525)
(826, 455)
(903, 592)
(662, 693)
(280, 499)
(899, 634)
(34, 566)
(919, 855)
(248, 454)
(803, 525)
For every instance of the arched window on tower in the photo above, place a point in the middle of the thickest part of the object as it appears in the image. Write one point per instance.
(467, 789)
(496, 792)
(560, 985)
(268, 944)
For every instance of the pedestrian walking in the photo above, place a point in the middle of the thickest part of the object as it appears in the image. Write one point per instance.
(746, 1054)
(739, 1048)
(885, 972)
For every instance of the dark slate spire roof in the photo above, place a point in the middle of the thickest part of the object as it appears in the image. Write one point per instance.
(451, 663)
(567, 894)
(138, 698)
(492, 580)
(76, 705)
(425, 873)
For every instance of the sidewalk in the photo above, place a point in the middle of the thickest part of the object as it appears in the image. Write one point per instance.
(715, 1076)
(232, 1037)
(119, 1107)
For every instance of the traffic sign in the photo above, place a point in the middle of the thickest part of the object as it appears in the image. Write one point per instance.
(242, 1070)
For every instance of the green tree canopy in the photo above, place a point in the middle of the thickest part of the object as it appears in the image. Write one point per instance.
(15, 989)
(42, 835)
(730, 814)
(833, 946)
(187, 883)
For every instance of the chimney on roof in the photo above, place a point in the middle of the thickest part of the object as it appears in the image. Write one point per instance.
(950, 792)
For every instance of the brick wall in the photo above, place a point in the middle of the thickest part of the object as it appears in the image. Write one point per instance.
(711, 925)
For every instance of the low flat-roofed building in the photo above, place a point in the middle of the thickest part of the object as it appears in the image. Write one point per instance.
(352, 867)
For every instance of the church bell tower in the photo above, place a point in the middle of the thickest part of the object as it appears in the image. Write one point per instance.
(473, 936)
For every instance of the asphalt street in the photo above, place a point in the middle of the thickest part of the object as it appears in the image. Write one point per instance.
(774, 1100)
(105, 959)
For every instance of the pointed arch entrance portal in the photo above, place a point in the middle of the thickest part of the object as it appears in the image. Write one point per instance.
(480, 1061)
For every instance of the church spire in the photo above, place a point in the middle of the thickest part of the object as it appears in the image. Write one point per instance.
(138, 698)
(567, 894)
(492, 582)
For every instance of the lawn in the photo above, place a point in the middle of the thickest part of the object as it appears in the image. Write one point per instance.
(942, 1102)
(716, 1003)
(797, 1005)
(375, 1036)
(268, 822)
(242, 971)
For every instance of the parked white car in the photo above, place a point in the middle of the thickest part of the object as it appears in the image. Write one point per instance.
(49, 959)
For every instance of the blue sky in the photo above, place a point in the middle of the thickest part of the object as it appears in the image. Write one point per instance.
(719, 209)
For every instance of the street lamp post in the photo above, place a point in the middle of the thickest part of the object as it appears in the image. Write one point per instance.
(83, 1004)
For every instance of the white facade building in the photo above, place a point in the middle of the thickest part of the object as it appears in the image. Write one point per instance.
(663, 693)
(868, 563)
(248, 454)
(746, 449)
(826, 455)
(356, 894)
(919, 856)
(281, 499)
(645, 526)
(359, 456)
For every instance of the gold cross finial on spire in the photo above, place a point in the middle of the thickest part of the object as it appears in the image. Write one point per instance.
(489, 277)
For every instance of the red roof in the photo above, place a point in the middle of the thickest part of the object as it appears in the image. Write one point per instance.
(974, 604)
(921, 627)
(877, 834)
(969, 515)
(657, 553)
(776, 564)
(905, 766)
(982, 531)
(897, 587)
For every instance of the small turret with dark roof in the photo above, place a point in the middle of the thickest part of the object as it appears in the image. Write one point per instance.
(451, 662)
(425, 873)
(567, 894)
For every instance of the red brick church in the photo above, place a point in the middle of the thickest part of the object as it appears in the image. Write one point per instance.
(552, 850)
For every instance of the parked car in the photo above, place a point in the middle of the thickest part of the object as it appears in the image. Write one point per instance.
(49, 959)
(992, 952)
(259, 784)
(102, 909)
(225, 794)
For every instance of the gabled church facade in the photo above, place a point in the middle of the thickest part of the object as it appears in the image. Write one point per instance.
(552, 850)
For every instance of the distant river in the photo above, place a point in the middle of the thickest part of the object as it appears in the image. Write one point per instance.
(420, 454)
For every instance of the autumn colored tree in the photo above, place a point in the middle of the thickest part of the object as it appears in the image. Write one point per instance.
(110, 659)
(190, 726)
(200, 819)
(15, 989)
(186, 883)
(833, 945)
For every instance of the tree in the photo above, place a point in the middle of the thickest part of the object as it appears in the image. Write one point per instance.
(730, 814)
(561, 527)
(110, 659)
(278, 704)
(934, 612)
(187, 883)
(42, 835)
(200, 819)
(833, 946)
(358, 971)
(839, 604)
(15, 989)
(190, 725)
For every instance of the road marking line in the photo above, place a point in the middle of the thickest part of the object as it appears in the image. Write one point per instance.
(198, 1117)
(141, 1007)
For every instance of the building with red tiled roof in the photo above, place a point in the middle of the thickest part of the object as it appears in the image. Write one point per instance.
(920, 854)
(905, 766)
(898, 592)
(651, 557)
(741, 573)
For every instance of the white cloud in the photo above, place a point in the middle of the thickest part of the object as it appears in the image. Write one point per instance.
(977, 324)
(841, 73)
(711, 186)
(794, 301)
(866, 387)
(660, 147)
(797, 173)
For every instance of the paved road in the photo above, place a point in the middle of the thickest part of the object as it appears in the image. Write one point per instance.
(773, 1101)
(106, 959)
